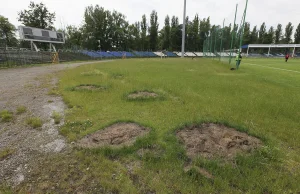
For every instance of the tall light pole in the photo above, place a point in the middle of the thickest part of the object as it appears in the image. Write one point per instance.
(183, 30)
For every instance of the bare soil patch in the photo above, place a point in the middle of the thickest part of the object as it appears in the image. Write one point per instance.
(213, 140)
(142, 95)
(90, 87)
(121, 134)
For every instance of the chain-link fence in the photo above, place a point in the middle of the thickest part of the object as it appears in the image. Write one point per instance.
(224, 43)
(27, 57)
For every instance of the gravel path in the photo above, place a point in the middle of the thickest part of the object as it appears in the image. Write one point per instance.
(27, 87)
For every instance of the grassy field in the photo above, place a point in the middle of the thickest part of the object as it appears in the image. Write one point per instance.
(260, 100)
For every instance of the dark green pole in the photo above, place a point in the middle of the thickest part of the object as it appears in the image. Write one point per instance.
(242, 32)
(221, 45)
(233, 33)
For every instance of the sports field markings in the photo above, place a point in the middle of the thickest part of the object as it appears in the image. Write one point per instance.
(273, 68)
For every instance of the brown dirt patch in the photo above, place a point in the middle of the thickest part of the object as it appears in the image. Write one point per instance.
(137, 95)
(121, 134)
(90, 87)
(212, 140)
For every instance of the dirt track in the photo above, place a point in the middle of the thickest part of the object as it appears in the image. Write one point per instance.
(27, 87)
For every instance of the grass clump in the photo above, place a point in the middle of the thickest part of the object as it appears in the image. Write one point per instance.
(53, 92)
(5, 153)
(57, 117)
(21, 110)
(34, 122)
(6, 116)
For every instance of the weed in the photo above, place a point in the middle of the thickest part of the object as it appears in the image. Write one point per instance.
(6, 116)
(57, 117)
(53, 92)
(50, 101)
(34, 122)
(21, 110)
(5, 153)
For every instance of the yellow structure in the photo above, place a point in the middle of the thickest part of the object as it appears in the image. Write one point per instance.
(55, 58)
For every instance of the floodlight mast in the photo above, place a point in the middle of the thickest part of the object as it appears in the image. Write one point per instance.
(183, 30)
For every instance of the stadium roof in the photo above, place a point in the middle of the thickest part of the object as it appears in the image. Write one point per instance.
(271, 46)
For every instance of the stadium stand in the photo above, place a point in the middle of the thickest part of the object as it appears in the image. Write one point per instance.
(190, 54)
(209, 54)
(170, 54)
(199, 54)
(160, 54)
(151, 54)
(179, 54)
(116, 54)
(224, 54)
(255, 55)
(105, 54)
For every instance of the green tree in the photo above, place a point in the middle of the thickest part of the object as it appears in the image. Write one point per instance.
(278, 34)
(153, 30)
(204, 30)
(74, 37)
(38, 16)
(288, 33)
(144, 28)
(297, 35)
(167, 33)
(194, 34)
(254, 35)
(247, 34)
(175, 34)
(262, 34)
(7, 33)
(227, 37)
(188, 34)
(110, 28)
(270, 36)
(95, 28)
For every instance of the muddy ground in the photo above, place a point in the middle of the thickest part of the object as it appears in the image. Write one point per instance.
(120, 134)
(138, 95)
(29, 87)
(211, 140)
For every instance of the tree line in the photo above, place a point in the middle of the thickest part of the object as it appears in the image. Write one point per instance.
(109, 30)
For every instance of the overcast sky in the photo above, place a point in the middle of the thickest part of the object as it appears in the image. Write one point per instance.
(70, 12)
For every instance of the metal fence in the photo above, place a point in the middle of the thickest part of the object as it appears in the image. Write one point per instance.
(27, 57)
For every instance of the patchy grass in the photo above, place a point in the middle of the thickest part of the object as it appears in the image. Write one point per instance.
(34, 122)
(21, 110)
(88, 87)
(260, 101)
(6, 153)
(53, 92)
(6, 116)
(57, 117)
